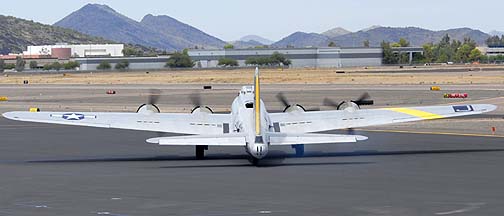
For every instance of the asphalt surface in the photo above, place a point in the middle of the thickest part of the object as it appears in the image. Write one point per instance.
(63, 170)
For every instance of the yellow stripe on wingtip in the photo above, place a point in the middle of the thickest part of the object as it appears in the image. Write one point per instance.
(416, 113)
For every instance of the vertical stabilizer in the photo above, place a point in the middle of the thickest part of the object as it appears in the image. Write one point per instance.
(257, 102)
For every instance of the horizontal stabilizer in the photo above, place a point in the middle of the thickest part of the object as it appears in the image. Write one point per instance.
(208, 140)
(293, 139)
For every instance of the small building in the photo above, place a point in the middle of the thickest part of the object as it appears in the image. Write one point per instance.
(327, 57)
(65, 51)
(492, 51)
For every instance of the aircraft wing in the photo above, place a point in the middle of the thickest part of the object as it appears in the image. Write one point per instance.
(307, 138)
(198, 123)
(307, 122)
(232, 139)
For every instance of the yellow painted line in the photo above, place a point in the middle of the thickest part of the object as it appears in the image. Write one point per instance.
(416, 113)
(433, 133)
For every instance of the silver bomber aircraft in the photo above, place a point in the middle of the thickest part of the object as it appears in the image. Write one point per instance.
(249, 124)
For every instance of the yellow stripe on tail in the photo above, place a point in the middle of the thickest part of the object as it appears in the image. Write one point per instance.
(257, 103)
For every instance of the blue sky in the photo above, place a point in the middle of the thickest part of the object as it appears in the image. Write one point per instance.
(275, 19)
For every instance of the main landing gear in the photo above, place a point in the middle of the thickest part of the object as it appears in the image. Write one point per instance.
(200, 151)
(299, 150)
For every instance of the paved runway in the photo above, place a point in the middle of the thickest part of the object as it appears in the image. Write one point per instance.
(62, 170)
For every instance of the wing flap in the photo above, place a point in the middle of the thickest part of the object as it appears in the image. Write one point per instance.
(293, 139)
(208, 140)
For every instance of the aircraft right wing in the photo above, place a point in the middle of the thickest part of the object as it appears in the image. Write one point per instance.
(308, 122)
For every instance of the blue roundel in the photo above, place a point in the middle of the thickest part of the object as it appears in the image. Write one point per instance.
(73, 116)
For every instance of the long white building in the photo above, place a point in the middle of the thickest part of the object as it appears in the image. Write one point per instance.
(324, 57)
(77, 50)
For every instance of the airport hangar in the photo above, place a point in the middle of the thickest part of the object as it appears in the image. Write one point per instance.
(330, 57)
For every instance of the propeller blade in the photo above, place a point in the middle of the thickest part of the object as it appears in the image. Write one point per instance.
(154, 95)
(281, 97)
(331, 103)
(364, 96)
(364, 100)
(195, 99)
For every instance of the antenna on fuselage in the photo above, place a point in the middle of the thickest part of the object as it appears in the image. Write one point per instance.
(257, 102)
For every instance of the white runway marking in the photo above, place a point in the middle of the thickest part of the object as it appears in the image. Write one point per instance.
(470, 207)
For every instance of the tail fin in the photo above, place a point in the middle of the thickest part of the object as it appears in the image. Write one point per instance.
(257, 103)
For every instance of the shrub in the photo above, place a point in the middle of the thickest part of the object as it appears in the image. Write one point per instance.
(180, 60)
(228, 62)
(71, 65)
(104, 65)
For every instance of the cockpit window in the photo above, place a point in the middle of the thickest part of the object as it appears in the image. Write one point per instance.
(249, 105)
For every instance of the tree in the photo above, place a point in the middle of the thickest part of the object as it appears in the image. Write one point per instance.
(228, 62)
(20, 64)
(403, 43)
(122, 65)
(54, 66)
(365, 43)
(279, 59)
(130, 51)
(463, 53)
(104, 65)
(180, 60)
(475, 55)
(2, 65)
(428, 53)
(443, 58)
(229, 46)
(495, 41)
(33, 65)
(71, 65)
(331, 44)
(388, 54)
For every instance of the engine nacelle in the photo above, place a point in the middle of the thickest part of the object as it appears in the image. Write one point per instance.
(148, 109)
(294, 108)
(348, 106)
(201, 109)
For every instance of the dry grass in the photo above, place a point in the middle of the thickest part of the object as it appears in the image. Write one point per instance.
(289, 76)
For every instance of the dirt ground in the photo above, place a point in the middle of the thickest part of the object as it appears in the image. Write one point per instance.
(379, 75)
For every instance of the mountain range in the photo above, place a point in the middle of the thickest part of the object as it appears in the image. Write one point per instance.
(162, 32)
(416, 37)
(16, 34)
(95, 23)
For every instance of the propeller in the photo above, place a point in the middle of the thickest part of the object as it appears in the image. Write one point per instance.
(154, 95)
(330, 103)
(281, 97)
(195, 99)
(364, 100)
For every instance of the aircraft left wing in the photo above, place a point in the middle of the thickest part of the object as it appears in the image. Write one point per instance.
(198, 123)
(307, 122)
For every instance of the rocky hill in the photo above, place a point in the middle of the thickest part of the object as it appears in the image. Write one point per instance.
(161, 32)
(302, 39)
(335, 32)
(416, 37)
(16, 34)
